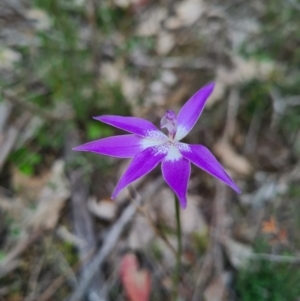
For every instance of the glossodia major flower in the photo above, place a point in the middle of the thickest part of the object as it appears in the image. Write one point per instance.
(148, 147)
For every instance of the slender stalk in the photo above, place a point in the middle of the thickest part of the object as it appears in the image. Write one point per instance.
(179, 250)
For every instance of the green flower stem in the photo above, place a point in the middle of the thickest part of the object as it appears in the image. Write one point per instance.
(179, 250)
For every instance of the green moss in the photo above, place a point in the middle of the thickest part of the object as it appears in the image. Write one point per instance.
(264, 281)
(267, 281)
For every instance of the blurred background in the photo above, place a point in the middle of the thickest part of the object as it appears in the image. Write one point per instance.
(63, 62)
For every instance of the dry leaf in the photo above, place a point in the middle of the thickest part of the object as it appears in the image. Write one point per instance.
(150, 23)
(270, 226)
(39, 18)
(244, 71)
(137, 283)
(110, 73)
(105, 209)
(168, 77)
(217, 94)
(69, 237)
(141, 234)
(173, 23)
(239, 254)
(15, 207)
(132, 89)
(217, 289)
(231, 159)
(282, 236)
(165, 43)
(52, 199)
(127, 3)
(189, 11)
(123, 3)
(8, 58)
(27, 186)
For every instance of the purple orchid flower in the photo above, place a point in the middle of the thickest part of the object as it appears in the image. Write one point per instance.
(148, 147)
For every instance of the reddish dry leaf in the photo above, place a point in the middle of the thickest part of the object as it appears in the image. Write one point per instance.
(282, 236)
(137, 283)
(270, 226)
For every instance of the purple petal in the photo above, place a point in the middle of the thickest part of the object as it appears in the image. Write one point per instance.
(138, 126)
(191, 111)
(141, 165)
(177, 173)
(203, 158)
(124, 146)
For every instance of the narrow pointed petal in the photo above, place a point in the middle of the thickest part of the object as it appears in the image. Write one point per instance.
(141, 165)
(138, 126)
(191, 111)
(204, 159)
(124, 146)
(177, 173)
